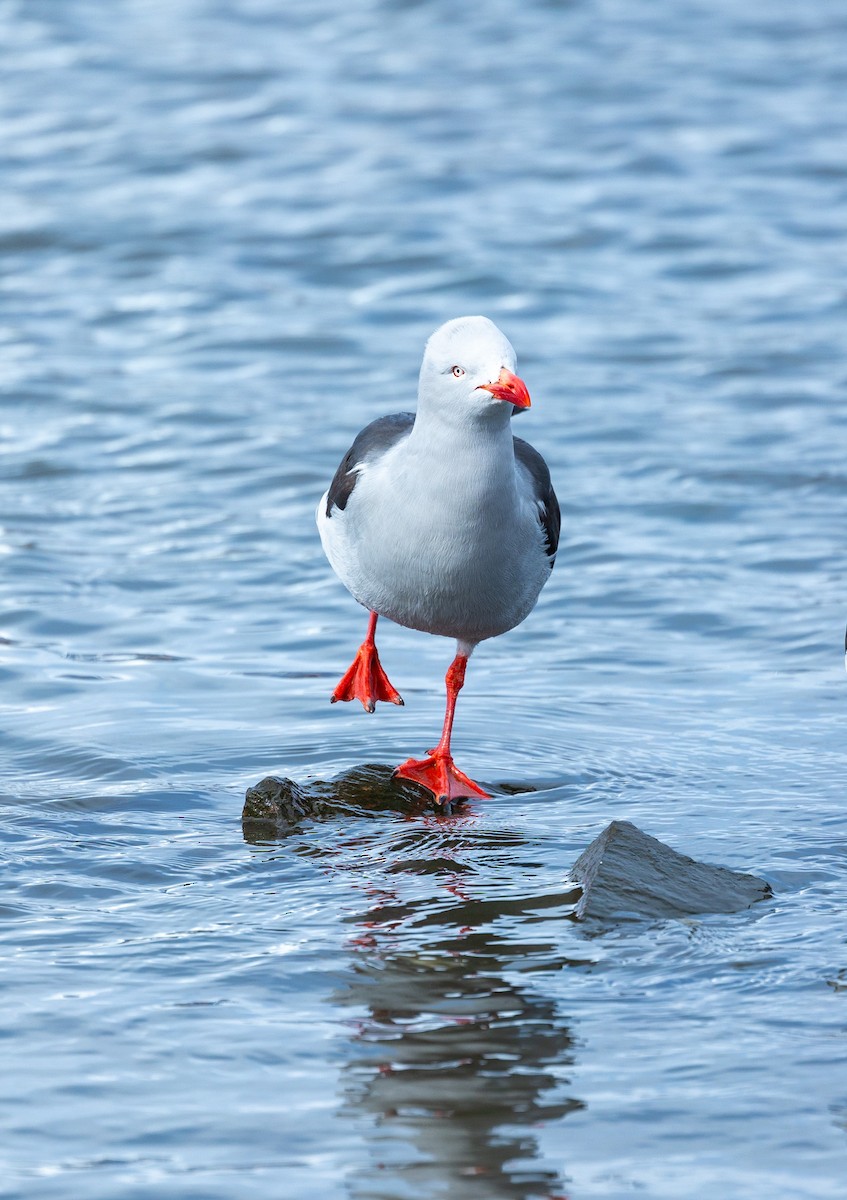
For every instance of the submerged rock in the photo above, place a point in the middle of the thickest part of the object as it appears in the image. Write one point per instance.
(627, 872)
(275, 806)
(278, 802)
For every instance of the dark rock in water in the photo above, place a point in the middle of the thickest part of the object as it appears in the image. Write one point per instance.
(278, 802)
(627, 872)
(275, 806)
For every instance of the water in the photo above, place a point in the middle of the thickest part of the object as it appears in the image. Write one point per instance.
(227, 228)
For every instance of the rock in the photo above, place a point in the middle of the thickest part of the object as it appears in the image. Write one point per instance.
(627, 872)
(275, 806)
(278, 802)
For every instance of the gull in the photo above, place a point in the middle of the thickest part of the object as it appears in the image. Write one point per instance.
(443, 521)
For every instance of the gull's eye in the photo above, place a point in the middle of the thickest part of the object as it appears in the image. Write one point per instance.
(458, 372)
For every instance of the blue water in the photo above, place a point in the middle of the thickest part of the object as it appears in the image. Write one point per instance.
(227, 228)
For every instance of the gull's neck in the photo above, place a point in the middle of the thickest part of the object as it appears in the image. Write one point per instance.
(478, 457)
(439, 433)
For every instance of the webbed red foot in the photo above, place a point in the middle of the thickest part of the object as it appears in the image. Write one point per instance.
(366, 681)
(440, 775)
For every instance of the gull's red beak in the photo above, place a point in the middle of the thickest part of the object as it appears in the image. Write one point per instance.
(509, 387)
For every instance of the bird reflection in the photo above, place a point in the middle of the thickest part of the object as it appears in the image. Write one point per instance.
(456, 1057)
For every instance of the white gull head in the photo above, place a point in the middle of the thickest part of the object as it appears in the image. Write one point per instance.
(468, 374)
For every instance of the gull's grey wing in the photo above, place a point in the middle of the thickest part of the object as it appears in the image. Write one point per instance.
(545, 497)
(370, 444)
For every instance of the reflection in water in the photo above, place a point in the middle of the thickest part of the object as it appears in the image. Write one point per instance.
(456, 1057)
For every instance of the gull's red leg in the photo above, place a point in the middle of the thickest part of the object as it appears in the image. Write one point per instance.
(438, 772)
(366, 680)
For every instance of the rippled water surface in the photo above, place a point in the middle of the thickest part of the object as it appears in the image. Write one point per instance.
(227, 228)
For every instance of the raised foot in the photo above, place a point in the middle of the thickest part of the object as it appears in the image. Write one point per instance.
(366, 681)
(440, 775)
